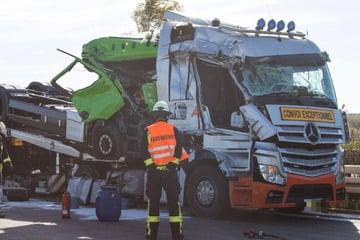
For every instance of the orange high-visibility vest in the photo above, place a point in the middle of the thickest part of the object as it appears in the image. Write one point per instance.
(161, 142)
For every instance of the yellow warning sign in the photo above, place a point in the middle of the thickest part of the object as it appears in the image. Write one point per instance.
(305, 114)
(17, 142)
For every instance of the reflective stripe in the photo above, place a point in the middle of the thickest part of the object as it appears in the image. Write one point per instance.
(176, 218)
(173, 219)
(162, 151)
(148, 137)
(176, 161)
(159, 148)
(153, 219)
(150, 219)
(162, 167)
(148, 162)
(161, 155)
(6, 160)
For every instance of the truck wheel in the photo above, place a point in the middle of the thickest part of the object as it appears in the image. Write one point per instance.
(107, 141)
(207, 192)
(43, 87)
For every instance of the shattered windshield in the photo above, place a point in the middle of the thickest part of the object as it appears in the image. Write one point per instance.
(293, 75)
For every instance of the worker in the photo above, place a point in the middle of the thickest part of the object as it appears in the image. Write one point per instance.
(163, 151)
(5, 163)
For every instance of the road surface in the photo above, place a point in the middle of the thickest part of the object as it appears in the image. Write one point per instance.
(39, 219)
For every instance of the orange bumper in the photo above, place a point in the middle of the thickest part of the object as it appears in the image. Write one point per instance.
(245, 193)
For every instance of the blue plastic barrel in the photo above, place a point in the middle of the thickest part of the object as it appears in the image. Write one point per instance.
(74, 202)
(108, 204)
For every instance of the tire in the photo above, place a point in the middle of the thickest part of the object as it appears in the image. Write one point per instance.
(44, 87)
(4, 104)
(207, 192)
(107, 141)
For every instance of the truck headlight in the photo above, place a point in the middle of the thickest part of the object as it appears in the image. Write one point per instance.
(271, 174)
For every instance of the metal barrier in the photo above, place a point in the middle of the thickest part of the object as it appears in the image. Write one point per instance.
(352, 178)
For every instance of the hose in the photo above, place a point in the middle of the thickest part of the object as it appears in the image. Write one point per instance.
(261, 234)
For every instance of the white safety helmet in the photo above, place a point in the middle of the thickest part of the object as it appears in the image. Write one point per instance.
(161, 106)
(161, 109)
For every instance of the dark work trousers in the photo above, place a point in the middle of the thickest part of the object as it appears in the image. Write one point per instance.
(156, 181)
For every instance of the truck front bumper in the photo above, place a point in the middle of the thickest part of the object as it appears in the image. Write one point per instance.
(246, 193)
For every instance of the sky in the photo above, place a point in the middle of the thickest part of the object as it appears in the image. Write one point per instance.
(32, 30)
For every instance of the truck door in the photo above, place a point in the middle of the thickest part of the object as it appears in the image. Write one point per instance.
(96, 95)
(182, 103)
(218, 93)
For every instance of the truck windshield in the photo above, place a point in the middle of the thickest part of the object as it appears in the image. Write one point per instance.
(290, 75)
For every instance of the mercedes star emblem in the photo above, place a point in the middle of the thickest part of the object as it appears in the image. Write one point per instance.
(312, 133)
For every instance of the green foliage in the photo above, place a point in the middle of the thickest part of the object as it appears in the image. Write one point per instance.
(148, 15)
(351, 202)
(353, 120)
(352, 157)
(352, 148)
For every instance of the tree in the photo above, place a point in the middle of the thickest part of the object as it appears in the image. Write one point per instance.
(148, 15)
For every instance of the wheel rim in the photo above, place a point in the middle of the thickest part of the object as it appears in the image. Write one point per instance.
(105, 144)
(205, 193)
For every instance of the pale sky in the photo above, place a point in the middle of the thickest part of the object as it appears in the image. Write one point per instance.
(32, 30)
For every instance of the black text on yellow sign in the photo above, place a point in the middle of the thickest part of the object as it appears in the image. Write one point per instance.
(304, 114)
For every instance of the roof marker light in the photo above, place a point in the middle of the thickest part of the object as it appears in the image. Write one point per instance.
(290, 26)
(215, 22)
(260, 24)
(280, 25)
(271, 24)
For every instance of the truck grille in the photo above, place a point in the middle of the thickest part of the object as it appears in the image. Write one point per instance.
(304, 162)
(305, 157)
(296, 133)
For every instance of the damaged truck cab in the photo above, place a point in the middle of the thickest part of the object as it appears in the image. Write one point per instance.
(287, 147)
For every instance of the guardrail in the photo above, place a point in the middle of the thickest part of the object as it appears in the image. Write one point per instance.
(352, 178)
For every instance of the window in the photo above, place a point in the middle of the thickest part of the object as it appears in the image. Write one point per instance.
(182, 82)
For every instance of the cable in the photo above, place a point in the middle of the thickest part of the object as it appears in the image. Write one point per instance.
(261, 234)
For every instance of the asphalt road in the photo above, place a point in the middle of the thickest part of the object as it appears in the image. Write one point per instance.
(39, 219)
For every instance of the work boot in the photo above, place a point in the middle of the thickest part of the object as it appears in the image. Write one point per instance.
(2, 214)
(176, 231)
(152, 232)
